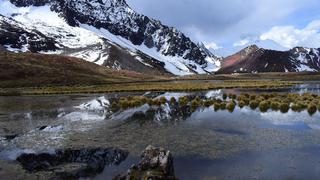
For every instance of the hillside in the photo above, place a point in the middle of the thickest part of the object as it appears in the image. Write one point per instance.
(254, 59)
(109, 33)
(31, 70)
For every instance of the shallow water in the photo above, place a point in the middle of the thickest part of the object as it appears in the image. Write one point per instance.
(205, 144)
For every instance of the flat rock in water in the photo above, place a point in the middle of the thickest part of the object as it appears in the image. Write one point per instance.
(73, 164)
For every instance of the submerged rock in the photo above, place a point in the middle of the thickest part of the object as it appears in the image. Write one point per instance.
(155, 164)
(73, 163)
(10, 137)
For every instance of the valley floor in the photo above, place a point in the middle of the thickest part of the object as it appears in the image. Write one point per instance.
(169, 85)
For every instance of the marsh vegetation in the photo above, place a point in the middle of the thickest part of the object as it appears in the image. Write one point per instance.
(264, 102)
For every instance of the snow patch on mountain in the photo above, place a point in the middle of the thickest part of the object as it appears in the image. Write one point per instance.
(90, 23)
(174, 64)
(50, 24)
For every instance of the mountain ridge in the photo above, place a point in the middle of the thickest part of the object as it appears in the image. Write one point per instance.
(254, 59)
(114, 19)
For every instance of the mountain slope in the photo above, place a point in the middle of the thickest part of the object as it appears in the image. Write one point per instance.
(30, 69)
(88, 28)
(254, 59)
(265, 44)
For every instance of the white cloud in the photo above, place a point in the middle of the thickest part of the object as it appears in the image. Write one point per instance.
(289, 36)
(241, 43)
(227, 21)
(212, 45)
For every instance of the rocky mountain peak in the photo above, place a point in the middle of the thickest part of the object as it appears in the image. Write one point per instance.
(251, 48)
(116, 21)
(24, 3)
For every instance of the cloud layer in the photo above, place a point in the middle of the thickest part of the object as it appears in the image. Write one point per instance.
(229, 21)
(289, 36)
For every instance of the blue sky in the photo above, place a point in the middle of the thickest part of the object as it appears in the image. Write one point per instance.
(224, 23)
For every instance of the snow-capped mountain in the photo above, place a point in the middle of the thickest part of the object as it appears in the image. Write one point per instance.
(106, 32)
(254, 59)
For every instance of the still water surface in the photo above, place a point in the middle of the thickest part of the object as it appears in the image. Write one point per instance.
(205, 144)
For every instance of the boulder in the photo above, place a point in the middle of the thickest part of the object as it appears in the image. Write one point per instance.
(73, 164)
(155, 164)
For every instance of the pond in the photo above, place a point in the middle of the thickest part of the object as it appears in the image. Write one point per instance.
(205, 144)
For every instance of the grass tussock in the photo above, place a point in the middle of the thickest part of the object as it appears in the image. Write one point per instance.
(231, 106)
(312, 108)
(264, 102)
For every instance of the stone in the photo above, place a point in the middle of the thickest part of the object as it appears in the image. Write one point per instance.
(73, 164)
(155, 164)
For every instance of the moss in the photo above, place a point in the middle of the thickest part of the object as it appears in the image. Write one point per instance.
(264, 106)
(312, 109)
(284, 107)
(254, 104)
(231, 106)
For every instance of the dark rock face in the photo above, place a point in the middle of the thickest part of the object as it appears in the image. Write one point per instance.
(155, 163)
(83, 162)
(10, 137)
(135, 34)
(13, 35)
(24, 3)
(20, 38)
(254, 59)
(118, 18)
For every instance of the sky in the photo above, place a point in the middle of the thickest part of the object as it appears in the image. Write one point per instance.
(232, 23)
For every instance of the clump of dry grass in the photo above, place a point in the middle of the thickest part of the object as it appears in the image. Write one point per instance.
(231, 106)
(264, 106)
(275, 101)
(312, 109)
